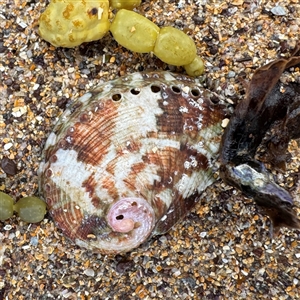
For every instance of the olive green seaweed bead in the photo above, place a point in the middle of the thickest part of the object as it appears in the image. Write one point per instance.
(127, 4)
(30, 209)
(6, 206)
(174, 47)
(133, 31)
(195, 68)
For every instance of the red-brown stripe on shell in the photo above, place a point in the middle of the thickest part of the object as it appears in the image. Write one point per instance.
(129, 159)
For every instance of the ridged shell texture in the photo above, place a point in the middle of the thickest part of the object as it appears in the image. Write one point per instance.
(130, 158)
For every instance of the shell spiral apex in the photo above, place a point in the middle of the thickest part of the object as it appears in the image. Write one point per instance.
(130, 158)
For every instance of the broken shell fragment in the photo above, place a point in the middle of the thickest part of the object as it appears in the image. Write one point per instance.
(130, 158)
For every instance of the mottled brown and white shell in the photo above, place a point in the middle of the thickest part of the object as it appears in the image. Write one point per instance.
(129, 159)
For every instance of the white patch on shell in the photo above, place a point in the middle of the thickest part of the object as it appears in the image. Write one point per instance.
(123, 168)
(69, 179)
(135, 77)
(85, 97)
(199, 122)
(160, 144)
(185, 89)
(166, 195)
(168, 76)
(213, 135)
(192, 163)
(164, 218)
(52, 140)
(197, 104)
(183, 109)
(198, 181)
(131, 113)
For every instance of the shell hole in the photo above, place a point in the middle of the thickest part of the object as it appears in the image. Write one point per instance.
(134, 204)
(62, 144)
(155, 88)
(71, 130)
(176, 89)
(119, 217)
(214, 99)
(49, 173)
(195, 92)
(135, 91)
(116, 97)
(49, 201)
(84, 118)
(53, 158)
(47, 187)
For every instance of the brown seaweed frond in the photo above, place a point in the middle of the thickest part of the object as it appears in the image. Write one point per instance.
(267, 101)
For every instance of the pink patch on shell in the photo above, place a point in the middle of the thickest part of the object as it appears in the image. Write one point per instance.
(131, 215)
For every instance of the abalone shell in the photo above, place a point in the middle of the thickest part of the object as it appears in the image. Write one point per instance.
(130, 158)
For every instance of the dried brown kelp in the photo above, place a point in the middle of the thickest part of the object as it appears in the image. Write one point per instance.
(267, 102)
(283, 130)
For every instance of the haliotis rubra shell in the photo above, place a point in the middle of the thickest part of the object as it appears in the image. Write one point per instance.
(130, 158)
